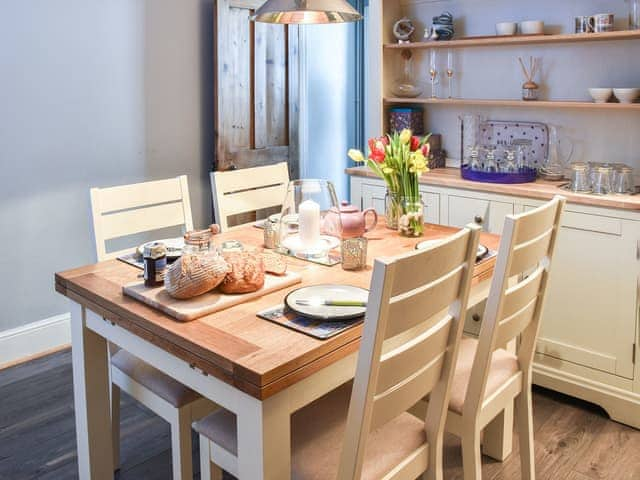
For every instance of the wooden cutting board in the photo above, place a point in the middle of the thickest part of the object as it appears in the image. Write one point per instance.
(214, 301)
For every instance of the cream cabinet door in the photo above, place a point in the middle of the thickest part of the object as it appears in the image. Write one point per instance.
(591, 310)
(489, 214)
(373, 196)
(431, 206)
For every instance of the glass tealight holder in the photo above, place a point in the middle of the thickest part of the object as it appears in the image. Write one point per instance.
(310, 225)
(354, 253)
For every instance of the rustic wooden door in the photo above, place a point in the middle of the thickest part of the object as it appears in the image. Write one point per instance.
(257, 93)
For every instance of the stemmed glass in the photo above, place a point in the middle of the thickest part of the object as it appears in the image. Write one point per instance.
(433, 72)
(450, 71)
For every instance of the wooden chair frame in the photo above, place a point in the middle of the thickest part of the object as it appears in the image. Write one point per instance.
(513, 309)
(248, 190)
(125, 210)
(412, 330)
(141, 207)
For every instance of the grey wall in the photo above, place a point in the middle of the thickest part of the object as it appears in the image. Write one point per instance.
(567, 72)
(93, 93)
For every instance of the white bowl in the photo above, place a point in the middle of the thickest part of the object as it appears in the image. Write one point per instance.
(626, 95)
(600, 95)
(506, 28)
(532, 27)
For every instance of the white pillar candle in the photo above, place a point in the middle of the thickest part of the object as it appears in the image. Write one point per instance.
(309, 219)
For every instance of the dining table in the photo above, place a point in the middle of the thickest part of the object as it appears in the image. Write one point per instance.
(259, 370)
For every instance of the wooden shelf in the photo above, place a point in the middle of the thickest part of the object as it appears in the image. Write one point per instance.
(515, 103)
(520, 40)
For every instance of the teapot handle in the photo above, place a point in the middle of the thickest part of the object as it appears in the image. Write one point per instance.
(375, 219)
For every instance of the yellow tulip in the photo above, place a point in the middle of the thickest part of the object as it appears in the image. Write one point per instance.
(405, 136)
(356, 155)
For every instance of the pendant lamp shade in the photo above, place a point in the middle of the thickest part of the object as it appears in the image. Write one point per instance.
(306, 12)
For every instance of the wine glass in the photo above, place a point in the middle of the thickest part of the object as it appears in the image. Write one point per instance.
(450, 71)
(433, 72)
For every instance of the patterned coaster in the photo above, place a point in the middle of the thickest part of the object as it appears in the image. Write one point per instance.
(315, 328)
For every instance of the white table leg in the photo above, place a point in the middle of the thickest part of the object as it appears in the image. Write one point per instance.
(91, 396)
(264, 439)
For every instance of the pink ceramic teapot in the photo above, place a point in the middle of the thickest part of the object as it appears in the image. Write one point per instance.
(354, 222)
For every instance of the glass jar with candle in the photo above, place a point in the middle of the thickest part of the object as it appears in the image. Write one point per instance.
(310, 225)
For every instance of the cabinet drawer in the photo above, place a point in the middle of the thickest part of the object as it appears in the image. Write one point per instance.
(588, 222)
(490, 214)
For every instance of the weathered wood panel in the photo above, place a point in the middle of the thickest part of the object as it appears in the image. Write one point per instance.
(256, 90)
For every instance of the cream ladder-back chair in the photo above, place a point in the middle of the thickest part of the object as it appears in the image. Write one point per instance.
(487, 378)
(412, 330)
(127, 210)
(248, 190)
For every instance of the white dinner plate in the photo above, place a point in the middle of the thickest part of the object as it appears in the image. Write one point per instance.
(315, 294)
(174, 246)
(325, 243)
(482, 250)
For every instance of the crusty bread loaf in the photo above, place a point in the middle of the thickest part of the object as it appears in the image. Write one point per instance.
(246, 272)
(274, 263)
(193, 275)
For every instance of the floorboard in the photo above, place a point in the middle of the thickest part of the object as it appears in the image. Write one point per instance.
(574, 440)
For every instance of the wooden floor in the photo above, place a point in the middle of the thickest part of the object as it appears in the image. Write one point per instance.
(574, 440)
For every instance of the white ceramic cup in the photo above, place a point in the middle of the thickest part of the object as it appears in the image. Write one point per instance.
(506, 28)
(532, 27)
(626, 95)
(600, 95)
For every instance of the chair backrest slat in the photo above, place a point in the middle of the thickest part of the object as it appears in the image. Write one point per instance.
(137, 208)
(248, 190)
(406, 312)
(390, 403)
(513, 309)
(415, 272)
(400, 364)
(141, 220)
(527, 254)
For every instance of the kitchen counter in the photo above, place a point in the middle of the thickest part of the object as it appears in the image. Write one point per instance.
(540, 189)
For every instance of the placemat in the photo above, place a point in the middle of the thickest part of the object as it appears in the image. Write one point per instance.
(320, 329)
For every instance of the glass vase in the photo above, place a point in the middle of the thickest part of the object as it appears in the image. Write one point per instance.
(411, 218)
(392, 208)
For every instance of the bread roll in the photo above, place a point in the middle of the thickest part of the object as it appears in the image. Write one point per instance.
(193, 275)
(246, 272)
(274, 263)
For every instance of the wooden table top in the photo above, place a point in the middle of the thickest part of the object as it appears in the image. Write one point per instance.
(540, 189)
(256, 356)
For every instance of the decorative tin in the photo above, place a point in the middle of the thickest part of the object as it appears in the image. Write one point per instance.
(406, 117)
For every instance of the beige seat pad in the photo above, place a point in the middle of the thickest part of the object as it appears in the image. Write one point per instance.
(317, 437)
(162, 385)
(503, 366)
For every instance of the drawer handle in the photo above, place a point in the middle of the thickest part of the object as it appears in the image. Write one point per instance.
(478, 219)
(476, 317)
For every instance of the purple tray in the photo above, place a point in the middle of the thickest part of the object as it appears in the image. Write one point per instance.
(523, 176)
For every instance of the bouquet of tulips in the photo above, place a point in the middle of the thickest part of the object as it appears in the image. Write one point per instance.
(399, 159)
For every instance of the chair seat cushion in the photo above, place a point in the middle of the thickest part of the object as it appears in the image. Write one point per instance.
(162, 385)
(317, 433)
(504, 365)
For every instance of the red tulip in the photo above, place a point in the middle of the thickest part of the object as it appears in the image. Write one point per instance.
(415, 143)
(376, 150)
(426, 150)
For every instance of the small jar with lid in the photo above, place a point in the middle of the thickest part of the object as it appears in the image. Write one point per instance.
(271, 229)
(199, 242)
(530, 91)
(155, 264)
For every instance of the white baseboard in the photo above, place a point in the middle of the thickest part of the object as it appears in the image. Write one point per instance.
(34, 338)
